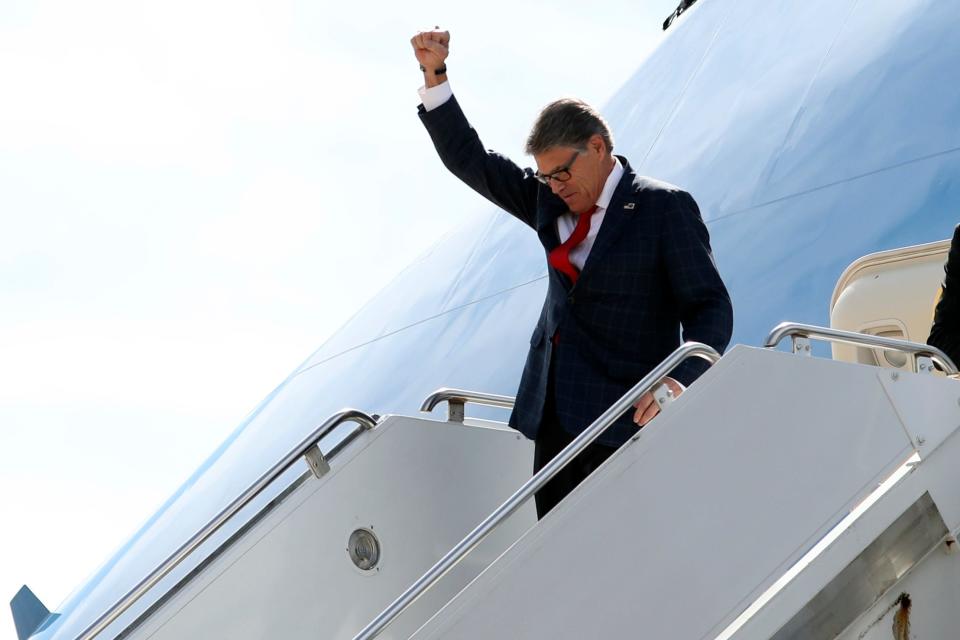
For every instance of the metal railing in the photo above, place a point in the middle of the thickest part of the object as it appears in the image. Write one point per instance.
(456, 399)
(801, 334)
(524, 493)
(308, 448)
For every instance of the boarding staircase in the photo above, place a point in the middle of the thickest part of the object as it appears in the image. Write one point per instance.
(370, 509)
(782, 496)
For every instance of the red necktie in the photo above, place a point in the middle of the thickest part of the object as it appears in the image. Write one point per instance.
(559, 258)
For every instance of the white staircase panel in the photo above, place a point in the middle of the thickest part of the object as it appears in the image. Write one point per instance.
(928, 406)
(936, 475)
(686, 526)
(419, 485)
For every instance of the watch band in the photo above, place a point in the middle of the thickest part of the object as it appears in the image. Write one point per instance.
(439, 71)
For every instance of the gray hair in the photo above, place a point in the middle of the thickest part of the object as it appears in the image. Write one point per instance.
(567, 122)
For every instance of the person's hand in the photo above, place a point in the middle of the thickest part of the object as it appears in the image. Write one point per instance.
(431, 48)
(647, 407)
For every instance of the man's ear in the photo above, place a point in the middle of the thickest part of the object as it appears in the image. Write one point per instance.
(597, 144)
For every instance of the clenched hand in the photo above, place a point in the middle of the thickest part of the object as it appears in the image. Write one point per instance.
(431, 48)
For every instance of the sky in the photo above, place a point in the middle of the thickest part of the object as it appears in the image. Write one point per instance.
(195, 195)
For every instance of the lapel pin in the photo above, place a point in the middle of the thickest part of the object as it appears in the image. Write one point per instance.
(629, 205)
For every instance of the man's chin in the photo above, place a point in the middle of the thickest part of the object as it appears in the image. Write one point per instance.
(574, 204)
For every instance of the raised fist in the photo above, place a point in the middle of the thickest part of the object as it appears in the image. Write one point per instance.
(431, 48)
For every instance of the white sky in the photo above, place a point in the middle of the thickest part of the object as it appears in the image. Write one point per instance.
(194, 195)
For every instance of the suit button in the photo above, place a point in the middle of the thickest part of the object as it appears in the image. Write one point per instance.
(570, 298)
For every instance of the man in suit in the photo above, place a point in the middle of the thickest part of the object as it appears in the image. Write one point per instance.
(629, 264)
(945, 332)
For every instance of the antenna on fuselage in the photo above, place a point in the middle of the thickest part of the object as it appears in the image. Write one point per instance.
(683, 6)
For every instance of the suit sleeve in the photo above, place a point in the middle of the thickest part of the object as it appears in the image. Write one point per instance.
(945, 333)
(706, 314)
(490, 174)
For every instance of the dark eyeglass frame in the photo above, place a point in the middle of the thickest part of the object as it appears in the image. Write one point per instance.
(560, 175)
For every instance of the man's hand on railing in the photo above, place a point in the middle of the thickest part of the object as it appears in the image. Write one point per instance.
(647, 406)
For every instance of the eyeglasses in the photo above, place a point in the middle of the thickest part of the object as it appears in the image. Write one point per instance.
(560, 175)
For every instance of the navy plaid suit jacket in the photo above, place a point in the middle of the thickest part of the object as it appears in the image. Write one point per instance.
(649, 273)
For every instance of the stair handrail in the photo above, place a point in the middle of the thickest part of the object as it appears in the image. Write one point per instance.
(531, 486)
(457, 398)
(804, 332)
(307, 448)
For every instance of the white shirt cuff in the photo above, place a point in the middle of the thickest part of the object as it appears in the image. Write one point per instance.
(435, 96)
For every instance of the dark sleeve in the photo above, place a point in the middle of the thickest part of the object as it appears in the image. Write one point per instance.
(945, 333)
(490, 174)
(706, 313)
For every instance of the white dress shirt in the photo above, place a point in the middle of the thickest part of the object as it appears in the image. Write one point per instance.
(435, 96)
(568, 221)
(438, 95)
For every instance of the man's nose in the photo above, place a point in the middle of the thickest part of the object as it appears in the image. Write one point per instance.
(556, 186)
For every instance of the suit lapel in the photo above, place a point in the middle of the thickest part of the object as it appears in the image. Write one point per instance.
(623, 206)
(551, 208)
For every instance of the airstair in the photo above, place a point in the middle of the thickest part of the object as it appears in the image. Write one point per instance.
(781, 496)
(370, 511)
